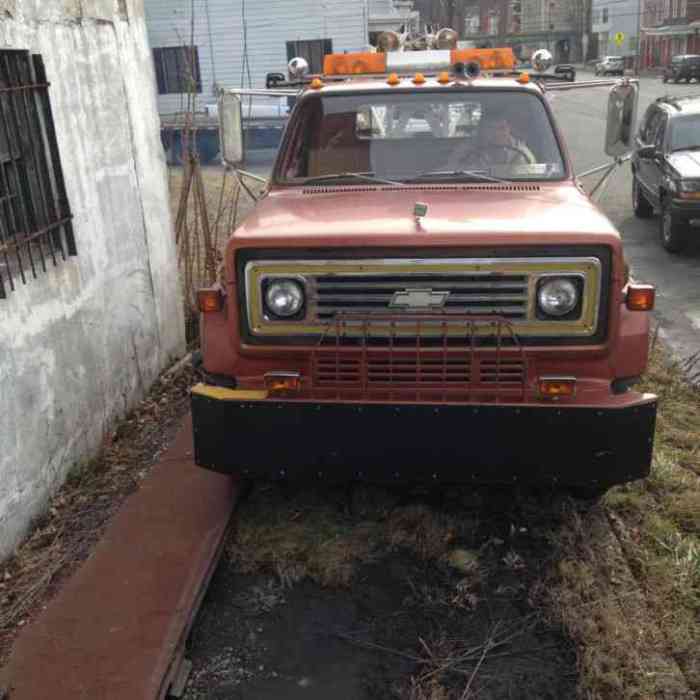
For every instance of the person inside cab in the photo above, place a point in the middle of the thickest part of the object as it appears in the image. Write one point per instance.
(497, 143)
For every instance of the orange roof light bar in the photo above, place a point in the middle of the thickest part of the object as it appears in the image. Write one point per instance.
(488, 59)
(430, 61)
(354, 63)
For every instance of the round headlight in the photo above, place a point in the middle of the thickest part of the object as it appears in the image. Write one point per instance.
(284, 298)
(557, 297)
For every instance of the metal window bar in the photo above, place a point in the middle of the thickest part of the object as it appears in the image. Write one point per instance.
(35, 218)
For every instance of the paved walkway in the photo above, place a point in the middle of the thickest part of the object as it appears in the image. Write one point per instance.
(118, 627)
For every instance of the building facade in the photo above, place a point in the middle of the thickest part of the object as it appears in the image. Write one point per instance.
(201, 44)
(391, 15)
(611, 18)
(528, 25)
(669, 28)
(89, 294)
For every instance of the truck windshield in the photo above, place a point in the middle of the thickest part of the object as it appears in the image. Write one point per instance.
(468, 135)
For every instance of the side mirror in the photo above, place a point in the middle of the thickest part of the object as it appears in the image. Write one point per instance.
(622, 117)
(647, 152)
(230, 128)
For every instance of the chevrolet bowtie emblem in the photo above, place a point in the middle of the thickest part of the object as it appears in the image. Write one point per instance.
(418, 299)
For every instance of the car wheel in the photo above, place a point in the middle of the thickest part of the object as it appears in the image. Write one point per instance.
(676, 80)
(687, 80)
(673, 230)
(640, 203)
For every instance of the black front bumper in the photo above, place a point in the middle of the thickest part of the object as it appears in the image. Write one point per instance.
(380, 442)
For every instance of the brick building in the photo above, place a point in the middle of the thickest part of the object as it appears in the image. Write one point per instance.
(669, 28)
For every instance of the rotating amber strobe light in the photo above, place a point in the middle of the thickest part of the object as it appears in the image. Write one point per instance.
(209, 300)
(556, 387)
(640, 297)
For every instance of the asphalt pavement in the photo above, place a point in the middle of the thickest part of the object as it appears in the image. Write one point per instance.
(581, 114)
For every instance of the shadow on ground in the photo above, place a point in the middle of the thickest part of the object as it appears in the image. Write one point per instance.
(370, 593)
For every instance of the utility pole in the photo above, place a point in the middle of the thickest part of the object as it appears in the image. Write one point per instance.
(638, 61)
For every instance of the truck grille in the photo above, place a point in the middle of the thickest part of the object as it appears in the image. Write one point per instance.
(426, 370)
(505, 296)
(485, 287)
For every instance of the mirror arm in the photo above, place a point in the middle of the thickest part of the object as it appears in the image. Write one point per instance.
(609, 169)
(247, 189)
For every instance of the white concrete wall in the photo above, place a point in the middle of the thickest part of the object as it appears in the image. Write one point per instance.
(218, 32)
(81, 344)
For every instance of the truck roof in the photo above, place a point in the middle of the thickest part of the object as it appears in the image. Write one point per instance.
(407, 84)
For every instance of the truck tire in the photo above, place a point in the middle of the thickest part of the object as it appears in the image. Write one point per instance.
(640, 203)
(672, 229)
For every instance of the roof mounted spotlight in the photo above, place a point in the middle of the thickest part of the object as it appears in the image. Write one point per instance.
(388, 41)
(298, 68)
(542, 60)
(446, 38)
(468, 70)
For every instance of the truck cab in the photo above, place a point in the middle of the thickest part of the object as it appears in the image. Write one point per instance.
(425, 294)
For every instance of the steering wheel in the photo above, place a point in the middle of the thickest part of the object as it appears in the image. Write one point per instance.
(519, 153)
(474, 159)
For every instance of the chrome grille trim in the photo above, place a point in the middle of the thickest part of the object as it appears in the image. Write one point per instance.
(366, 286)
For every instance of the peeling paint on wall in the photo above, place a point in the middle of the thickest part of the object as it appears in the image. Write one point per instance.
(7, 8)
(80, 345)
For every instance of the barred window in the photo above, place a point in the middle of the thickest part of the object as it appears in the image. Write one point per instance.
(177, 70)
(35, 218)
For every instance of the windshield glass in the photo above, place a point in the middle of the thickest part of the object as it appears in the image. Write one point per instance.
(408, 136)
(685, 132)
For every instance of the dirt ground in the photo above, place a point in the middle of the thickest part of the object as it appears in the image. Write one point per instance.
(78, 514)
(382, 594)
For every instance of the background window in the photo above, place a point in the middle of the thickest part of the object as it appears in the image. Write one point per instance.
(313, 51)
(177, 69)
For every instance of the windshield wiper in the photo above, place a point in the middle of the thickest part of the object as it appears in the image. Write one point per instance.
(685, 148)
(454, 174)
(363, 177)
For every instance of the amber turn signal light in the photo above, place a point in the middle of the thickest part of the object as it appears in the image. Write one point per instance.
(283, 382)
(556, 387)
(640, 297)
(209, 300)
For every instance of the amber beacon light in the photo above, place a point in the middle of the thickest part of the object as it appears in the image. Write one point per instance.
(640, 297)
(556, 387)
(209, 301)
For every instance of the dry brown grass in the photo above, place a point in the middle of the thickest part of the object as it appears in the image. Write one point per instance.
(311, 538)
(206, 210)
(627, 577)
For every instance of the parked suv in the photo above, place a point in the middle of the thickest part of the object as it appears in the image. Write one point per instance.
(666, 167)
(682, 68)
(610, 65)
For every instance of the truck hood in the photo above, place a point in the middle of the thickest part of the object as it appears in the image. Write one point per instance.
(483, 214)
(685, 163)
